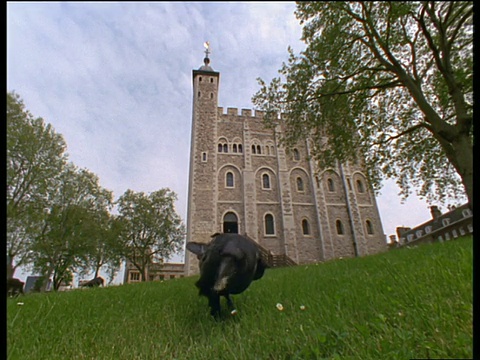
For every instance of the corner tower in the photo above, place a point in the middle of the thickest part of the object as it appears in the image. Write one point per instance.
(201, 213)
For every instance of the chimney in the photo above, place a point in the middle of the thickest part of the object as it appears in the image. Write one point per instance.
(401, 230)
(435, 212)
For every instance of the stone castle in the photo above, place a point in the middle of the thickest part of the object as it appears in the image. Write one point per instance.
(243, 181)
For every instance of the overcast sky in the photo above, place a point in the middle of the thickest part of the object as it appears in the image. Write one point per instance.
(115, 79)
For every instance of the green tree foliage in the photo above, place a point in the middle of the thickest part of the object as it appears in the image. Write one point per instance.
(149, 228)
(391, 79)
(71, 229)
(102, 244)
(35, 156)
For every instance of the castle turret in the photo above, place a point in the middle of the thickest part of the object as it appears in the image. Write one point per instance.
(203, 164)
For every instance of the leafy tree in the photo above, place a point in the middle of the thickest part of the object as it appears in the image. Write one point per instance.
(391, 79)
(149, 228)
(35, 156)
(71, 212)
(102, 244)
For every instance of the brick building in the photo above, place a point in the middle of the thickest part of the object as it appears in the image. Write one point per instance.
(243, 181)
(441, 227)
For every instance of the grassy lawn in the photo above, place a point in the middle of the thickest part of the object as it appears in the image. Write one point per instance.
(406, 303)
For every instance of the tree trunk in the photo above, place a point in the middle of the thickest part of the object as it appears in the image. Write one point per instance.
(10, 268)
(144, 274)
(464, 164)
(97, 270)
(46, 279)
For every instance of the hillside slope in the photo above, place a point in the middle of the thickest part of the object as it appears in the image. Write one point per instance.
(407, 303)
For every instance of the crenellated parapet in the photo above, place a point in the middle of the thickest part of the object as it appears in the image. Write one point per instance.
(243, 113)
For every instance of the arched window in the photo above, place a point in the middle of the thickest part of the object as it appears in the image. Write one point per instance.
(240, 148)
(360, 187)
(220, 147)
(254, 149)
(299, 184)
(369, 226)
(331, 185)
(269, 225)
(230, 223)
(305, 227)
(296, 154)
(339, 227)
(265, 181)
(225, 148)
(234, 148)
(229, 180)
(259, 149)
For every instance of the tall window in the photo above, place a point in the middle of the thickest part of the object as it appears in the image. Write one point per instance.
(222, 147)
(296, 155)
(339, 226)
(299, 184)
(305, 227)
(331, 185)
(360, 187)
(269, 225)
(369, 226)
(266, 181)
(229, 180)
(254, 149)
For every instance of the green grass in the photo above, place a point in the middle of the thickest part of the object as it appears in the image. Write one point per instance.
(407, 303)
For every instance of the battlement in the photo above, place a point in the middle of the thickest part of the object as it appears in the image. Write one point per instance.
(244, 112)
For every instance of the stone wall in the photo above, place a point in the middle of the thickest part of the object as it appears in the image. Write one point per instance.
(249, 174)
